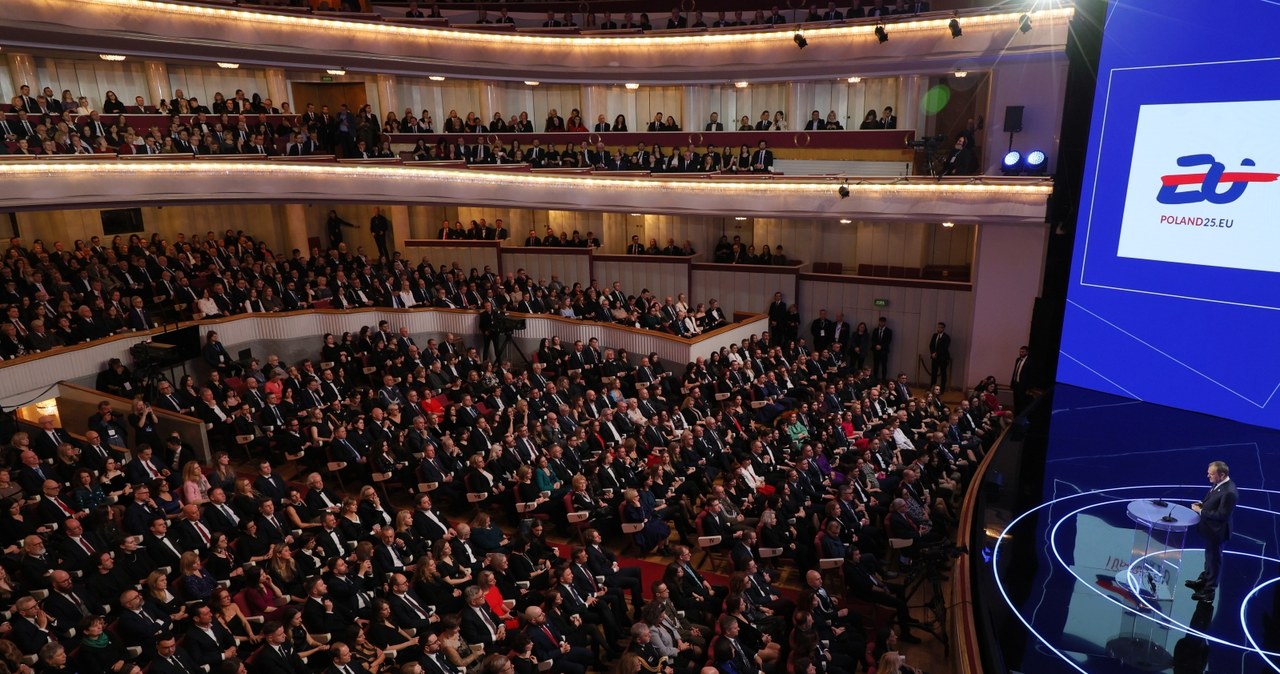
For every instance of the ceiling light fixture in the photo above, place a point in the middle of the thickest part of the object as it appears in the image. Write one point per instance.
(954, 26)
(632, 86)
(800, 41)
(739, 218)
(854, 79)
(845, 221)
(336, 71)
(532, 83)
(743, 84)
(1024, 23)
(111, 57)
(436, 78)
(843, 191)
(881, 34)
(228, 66)
(961, 73)
(948, 224)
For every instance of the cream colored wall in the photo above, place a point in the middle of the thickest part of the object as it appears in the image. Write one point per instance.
(912, 313)
(690, 105)
(7, 86)
(203, 83)
(93, 80)
(262, 221)
(894, 244)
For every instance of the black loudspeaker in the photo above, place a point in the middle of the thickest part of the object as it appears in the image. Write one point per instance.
(1013, 119)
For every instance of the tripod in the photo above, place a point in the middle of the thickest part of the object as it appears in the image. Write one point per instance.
(504, 340)
(929, 571)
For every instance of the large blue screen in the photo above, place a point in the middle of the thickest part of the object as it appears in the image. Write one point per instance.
(1175, 286)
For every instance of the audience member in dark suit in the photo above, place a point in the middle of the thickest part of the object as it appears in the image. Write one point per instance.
(171, 659)
(343, 663)
(549, 644)
(480, 625)
(277, 656)
(408, 610)
(320, 614)
(32, 627)
(269, 484)
(208, 641)
(141, 624)
(68, 603)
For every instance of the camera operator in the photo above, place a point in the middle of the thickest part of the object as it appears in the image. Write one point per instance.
(490, 324)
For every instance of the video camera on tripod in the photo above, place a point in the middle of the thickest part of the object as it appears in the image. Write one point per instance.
(506, 324)
(932, 149)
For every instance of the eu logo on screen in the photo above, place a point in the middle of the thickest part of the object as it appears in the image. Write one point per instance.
(1209, 181)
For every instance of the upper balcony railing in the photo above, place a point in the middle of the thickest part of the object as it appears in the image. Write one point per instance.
(915, 44)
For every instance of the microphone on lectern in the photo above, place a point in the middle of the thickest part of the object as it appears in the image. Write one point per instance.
(1168, 517)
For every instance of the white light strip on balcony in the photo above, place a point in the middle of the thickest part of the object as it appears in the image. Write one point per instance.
(258, 170)
(347, 27)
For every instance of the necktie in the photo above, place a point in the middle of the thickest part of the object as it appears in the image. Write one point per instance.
(228, 512)
(484, 615)
(409, 600)
(85, 544)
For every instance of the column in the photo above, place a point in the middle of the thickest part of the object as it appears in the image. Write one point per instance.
(694, 108)
(399, 230)
(278, 88)
(1003, 297)
(800, 96)
(295, 227)
(387, 96)
(911, 93)
(157, 81)
(489, 97)
(22, 69)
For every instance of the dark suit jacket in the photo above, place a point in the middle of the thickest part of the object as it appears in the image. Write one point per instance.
(269, 661)
(135, 629)
(273, 488)
(1215, 511)
(320, 621)
(217, 521)
(354, 666)
(160, 666)
(206, 651)
(65, 611)
(474, 631)
(940, 344)
(75, 557)
(27, 637)
(403, 614)
(543, 646)
(137, 517)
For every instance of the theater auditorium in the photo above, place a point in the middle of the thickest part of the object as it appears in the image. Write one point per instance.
(411, 337)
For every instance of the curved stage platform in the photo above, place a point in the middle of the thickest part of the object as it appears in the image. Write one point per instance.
(1087, 578)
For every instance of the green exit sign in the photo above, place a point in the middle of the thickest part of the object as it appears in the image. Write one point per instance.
(881, 302)
(326, 78)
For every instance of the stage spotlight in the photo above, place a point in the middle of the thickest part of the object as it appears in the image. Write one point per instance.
(1035, 161)
(881, 34)
(1011, 163)
(954, 26)
(800, 41)
(843, 191)
(1024, 23)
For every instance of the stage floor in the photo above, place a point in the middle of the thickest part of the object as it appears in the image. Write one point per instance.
(1058, 588)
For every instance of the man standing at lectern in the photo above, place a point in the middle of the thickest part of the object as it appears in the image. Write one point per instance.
(1215, 527)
